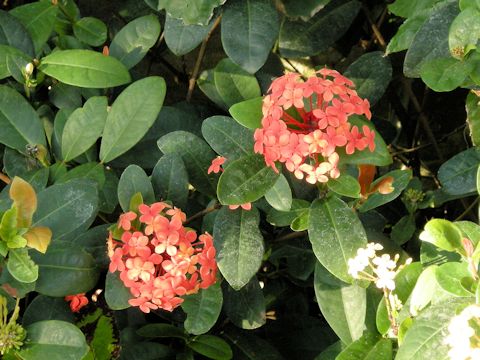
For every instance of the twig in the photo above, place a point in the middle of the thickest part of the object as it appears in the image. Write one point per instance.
(203, 213)
(5, 178)
(375, 28)
(198, 62)
(468, 209)
(290, 236)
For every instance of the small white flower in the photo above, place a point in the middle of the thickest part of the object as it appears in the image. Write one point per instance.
(460, 334)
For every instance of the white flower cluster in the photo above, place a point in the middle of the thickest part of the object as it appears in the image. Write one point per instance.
(383, 267)
(464, 342)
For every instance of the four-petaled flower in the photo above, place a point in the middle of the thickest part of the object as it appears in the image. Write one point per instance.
(77, 301)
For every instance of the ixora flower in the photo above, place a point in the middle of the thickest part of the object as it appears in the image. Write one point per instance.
(77, 301)
(158, 258)
(305, 122)
(463, 335)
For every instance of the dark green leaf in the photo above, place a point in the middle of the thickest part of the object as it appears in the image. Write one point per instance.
(473, 117)
(90, 30)
(13, 33)
(6, 53)
(133, 41)
(196, 155)
(248, 113)
(403, 230)
(248, 346)
(146, 351)
(206, 83)
(94, 242)
(458, 175)
(407, 8)
(368, 347)
(65, 96)
(245, 180)
(190, 11)
(246, 307)
(406, 32)
(335, 229)
(285, 218)
(181, 38)
(132, 114)
(170, 180)
(445, 74)
(116, 294)
(305, 9)
(202, 309)
(161, 330)
(212, 347)
(134, 180)
(85, 68)
(239, 245)
(280, 195)
(249, 30)
(47, 308)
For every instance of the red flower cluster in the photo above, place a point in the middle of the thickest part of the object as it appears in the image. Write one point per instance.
(304, 122)
(159, 259)
(77, 301)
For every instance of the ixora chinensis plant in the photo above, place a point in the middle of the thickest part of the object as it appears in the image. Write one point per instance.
(307, 146)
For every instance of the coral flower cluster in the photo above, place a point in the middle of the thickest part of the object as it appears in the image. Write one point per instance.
(305, 122)
(158, 258)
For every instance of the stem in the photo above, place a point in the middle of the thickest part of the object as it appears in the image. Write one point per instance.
(198, 63)
(203, 213)
(467, 210)
(5, 178)
(391, 317)
(290, 236)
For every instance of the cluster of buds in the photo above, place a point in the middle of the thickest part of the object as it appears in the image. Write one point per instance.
(12, 334)
(464, 334)
(158, 258)
(305, 122)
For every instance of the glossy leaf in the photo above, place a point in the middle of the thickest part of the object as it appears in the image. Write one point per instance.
(21, 266)
(335, 229)
(445, 74)
(345, 185)
(249, 30)
(134, 180)
(248, 113)
(133, 41)
(202, 309)
(54, 340)
(190, 11)
(233, 83)
(300, 39)
(423, 291)
(406, 32)
(14, 34)
(246, 345)
(239, 245)
(85, 68)
(280, 195)
(91, 170)
(403, 230)
(458, 175)
(7, 53)
(431, 40)
(449, 277)
(305, 10)
(181, 38)
(116, 293)
(196, 156)
(206, 83)
(246, 307)
(285, 218)
(19, 122)
(212, 347)
(39, 19)
(83, 127)
(368, 347)
(170, 180)
(464, 32)
(343, 305)
(227, 137)
(65, 271)
(245, 180)
(90, 30)
(407, 8)
(47, 308)
(132, 114)
(473, 117)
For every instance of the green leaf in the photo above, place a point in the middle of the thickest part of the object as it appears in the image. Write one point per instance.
(445, 74)
(6, 54)
(85, 68)
(20, 123)
(13, 33)
(401, 178)
(305, 10)
(425, 338)
(246, 307)
(47, 308)
(202, 309)
(280, 195)
(170, 180)
(449, 276)
(379, 157)
(285, 218)
(146, 351)
(133, 41)
(301, 222)
(181, 38)
(464, 32)
(343, 305)
(404, 229)
(65, 270)
(458, 175)
(248, 113)
(239, 245)
(233, 83)
(8, 225)
(406, 32)
(21, 266)
(190, 11)
(103, 343)
(227, 137)
(368, 347)
(431, 40)
(331, 352)
(92, 170)
(116, 294)
(245, 180)
(132, 114)
(54, 340)
(196, 155)
(423, 291)
(65, 96)
(371, 73)
(211, 346)
(90, 30)
(345, 185)
(473, 117)
(468, 3)
(407, 8)
(206, 83)
(134, 180)
(249, 30)
(39, 19)
(249, 346)
(161, 331)
(83, 127)
(335, 229)
(300, 39)
(64, 208)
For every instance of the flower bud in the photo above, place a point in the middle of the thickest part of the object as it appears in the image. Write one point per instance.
(29, 69)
